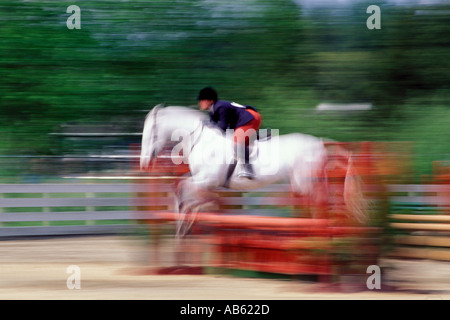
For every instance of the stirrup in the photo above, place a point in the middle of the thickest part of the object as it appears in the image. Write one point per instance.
(247, 175)
(246, 172)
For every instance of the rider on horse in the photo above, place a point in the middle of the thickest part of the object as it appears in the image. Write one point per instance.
(231, 115)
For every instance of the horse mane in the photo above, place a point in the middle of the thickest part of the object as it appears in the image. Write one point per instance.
(182, 111)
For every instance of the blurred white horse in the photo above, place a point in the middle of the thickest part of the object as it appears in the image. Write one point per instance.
(296, 157)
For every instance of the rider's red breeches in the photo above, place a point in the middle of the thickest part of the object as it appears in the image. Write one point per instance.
(243, 133)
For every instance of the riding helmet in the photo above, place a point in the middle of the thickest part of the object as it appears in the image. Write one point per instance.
(207, 93)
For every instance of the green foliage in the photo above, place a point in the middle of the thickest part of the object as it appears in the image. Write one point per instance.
(131, 55)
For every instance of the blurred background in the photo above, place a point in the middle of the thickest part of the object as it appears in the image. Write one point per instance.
(80, 97)
(73, 104)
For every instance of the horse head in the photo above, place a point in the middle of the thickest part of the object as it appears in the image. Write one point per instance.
(149, 147)
(160, 126)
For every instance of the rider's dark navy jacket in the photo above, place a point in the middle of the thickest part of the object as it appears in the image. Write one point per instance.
(230, 115)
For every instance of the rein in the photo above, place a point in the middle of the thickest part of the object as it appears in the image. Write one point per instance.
(202, 125)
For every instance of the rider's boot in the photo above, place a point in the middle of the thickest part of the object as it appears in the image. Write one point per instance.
(246, 168)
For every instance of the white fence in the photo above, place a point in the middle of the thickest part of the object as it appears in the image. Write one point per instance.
(83, 208)
(64, 209)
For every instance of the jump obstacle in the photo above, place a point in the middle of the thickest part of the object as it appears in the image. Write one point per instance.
(269, 229)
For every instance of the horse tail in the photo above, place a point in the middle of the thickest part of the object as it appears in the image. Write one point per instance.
(353, 193)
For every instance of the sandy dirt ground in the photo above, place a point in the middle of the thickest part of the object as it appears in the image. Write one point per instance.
(115, 267)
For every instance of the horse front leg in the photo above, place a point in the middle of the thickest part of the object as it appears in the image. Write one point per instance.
(187, 203)
(190, 200)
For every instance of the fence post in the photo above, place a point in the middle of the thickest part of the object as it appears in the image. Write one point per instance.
(45, 209)
(1, 210)
(90, 208)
